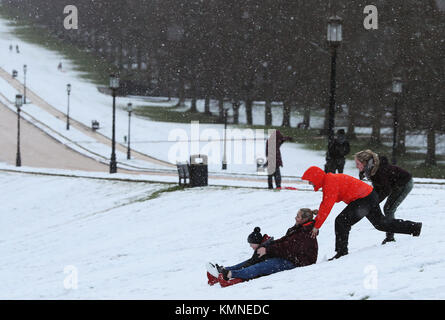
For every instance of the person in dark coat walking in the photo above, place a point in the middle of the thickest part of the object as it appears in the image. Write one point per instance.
(362, 201)
(295, 249)
(274, 160)
(389, 181)
(337, 151)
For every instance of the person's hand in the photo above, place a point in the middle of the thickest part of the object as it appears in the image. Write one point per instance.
(261, 251)
(314, 233)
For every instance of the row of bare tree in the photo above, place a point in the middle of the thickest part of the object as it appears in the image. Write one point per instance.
(268, 50)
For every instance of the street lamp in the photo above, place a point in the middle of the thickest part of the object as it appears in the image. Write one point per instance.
(24, 83)
(224, 162)
(334, 38)
(68, 91)
(397, 90)
(130, 109)
(18, 104)
(114, 85)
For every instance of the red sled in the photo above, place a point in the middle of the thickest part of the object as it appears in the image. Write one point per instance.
(226, 283)
(211, 279)
(287, 188)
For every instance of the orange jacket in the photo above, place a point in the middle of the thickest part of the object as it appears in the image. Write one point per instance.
(336, 187)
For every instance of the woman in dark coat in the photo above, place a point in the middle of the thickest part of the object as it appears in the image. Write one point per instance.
(389, 181)
(274, 160)
(295, 249)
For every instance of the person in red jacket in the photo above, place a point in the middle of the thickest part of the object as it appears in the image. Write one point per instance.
(362, 201)
(296, 249)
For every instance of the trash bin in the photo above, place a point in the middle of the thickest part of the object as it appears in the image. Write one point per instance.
(261, 167)
(199, 171)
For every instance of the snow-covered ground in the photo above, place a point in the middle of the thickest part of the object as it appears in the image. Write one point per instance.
(83, 238)
(68, 238)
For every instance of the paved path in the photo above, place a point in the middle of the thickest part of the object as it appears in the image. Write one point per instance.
(37, 148)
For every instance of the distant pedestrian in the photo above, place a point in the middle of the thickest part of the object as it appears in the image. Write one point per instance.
(17, 48)
(337, 151)
(11, 47)
(389, 181)
(274, 160)
(59, 67)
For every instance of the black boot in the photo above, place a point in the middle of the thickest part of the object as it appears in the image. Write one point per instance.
(339, 254)
(225, 272)
(417, 229)
(389, 238)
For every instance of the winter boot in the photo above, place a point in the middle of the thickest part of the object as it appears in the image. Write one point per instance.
(417, 229)
(211, 268)
(338, 255)
(225, 283)
(389, 238)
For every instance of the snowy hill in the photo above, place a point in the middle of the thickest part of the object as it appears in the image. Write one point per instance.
(122, 245)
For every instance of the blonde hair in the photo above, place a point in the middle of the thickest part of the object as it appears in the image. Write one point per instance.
(308, 214)
(366, 155)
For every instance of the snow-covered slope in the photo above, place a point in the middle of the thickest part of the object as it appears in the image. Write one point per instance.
(120, 245)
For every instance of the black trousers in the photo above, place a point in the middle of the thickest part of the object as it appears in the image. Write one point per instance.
(277, 176)
(366, 207)
(333, 165)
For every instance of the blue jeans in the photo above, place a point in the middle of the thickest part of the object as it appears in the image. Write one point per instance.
(263, 268)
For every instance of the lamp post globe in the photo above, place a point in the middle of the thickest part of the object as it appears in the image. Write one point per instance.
(114, 85)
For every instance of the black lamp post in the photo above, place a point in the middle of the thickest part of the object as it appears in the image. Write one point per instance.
(334, 38)
(397, 90)
(24, 83)
(114, 85)
(130, 109)
(18, 104)
(224, 162)
(68, 91)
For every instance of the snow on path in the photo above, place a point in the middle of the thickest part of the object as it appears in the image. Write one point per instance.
(123, 246)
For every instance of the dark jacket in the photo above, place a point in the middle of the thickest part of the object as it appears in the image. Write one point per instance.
(280, 139)
(339, 148)
(255, 258)
(387, 177)
(297, 246)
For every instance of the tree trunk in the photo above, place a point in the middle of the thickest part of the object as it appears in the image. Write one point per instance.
(376, 126)
(249, 104)
(193, 107)
(351, 124)
(221, 109)
(286, 113)
(307, 116)
(431, 147)
(235, 107)
(268, 113)
(401, 133)
(207, 105)
(181, 101)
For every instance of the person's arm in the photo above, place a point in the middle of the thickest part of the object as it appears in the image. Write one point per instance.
(325, 208)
